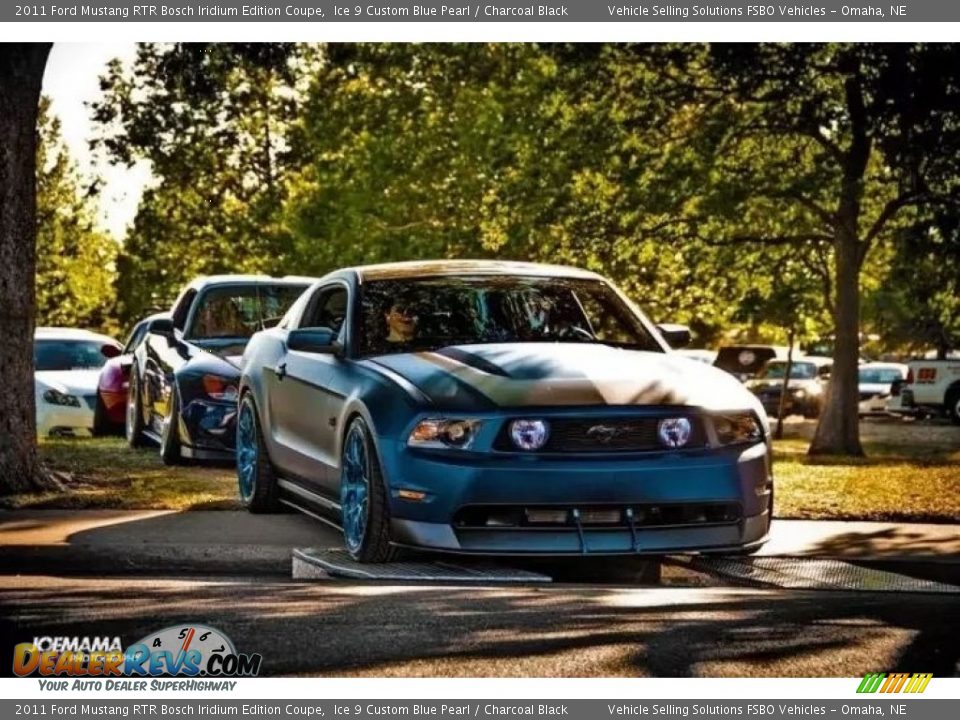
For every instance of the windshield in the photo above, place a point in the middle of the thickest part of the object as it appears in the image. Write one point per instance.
(879, 376)
(68, 355)
(427, 314)
(799, 371)
(240, 311)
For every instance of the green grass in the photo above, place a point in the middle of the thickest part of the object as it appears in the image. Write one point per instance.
(909, 482)
(105, 473)
(912, 481)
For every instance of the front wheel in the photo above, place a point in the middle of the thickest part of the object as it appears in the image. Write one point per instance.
(953, 405)
(170, 444)
(134, 416)
(256, 479)
(363, 498)
(101, 424)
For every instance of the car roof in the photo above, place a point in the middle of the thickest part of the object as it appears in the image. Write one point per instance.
(210, 280)
(447, 268)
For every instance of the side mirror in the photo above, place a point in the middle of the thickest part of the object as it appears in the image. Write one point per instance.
(108, 350)
(322, 341)
(677, 336)
(162, 327)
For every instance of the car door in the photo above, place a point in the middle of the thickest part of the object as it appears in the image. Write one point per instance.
(302, 403)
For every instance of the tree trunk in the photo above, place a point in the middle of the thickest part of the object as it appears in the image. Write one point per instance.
(21, 72)
(786, 385)
(838, 432)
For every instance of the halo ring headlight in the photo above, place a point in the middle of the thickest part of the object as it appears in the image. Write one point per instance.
(529, 434)
(674, 432)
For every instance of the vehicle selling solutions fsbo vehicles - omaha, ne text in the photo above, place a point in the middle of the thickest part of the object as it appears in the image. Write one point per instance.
(497, 408)
(185, 373)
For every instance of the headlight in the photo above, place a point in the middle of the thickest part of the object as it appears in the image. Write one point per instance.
(55, 397)
(674, 432)
(800, 394)
(444, 434)
(219, 388)
(739, 428)
(529, 434)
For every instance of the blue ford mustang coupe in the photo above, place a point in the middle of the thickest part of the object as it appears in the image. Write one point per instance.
(497, 408)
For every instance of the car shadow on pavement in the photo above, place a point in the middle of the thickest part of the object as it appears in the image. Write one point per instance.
(335, 628)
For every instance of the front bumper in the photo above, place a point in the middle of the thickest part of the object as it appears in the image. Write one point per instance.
(208, 430)
(709, 500)
(65, 420)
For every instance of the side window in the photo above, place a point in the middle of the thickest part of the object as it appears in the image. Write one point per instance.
(328, 308)
(824, 372)
(606, 323)
(182, 308)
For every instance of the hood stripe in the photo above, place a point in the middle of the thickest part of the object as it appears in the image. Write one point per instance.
(508, 392)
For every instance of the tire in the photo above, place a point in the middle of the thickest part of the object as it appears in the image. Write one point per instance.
(133, 426)
(256, 479)
(101, 424)
(953, 404)
(365, 512)
(170, 439)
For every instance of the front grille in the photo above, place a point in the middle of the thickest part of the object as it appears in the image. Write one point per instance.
(492, 517)
(568, 435)
(867, 396)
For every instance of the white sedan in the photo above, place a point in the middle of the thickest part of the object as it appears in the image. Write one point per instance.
(875, 381)
(67, 366)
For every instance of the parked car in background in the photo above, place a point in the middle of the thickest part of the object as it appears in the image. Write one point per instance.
(805, 387)
(497, 408)
(931, 387)
(704, 356)
(876, 380)
(67, 365)
(184, 374)
(745, 361)
(109, 414)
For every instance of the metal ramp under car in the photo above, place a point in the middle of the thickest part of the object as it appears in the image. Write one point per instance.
(792, 573)
(325, 563)
(810, 573)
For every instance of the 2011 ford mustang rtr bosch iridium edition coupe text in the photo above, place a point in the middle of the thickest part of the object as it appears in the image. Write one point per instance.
(497, 408)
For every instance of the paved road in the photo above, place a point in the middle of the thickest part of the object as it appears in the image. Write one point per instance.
(334, 628)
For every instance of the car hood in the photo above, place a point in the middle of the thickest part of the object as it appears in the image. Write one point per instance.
(71, 382)
(568, 374)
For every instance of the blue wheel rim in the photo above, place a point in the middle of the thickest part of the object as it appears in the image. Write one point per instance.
(354, 489)
(247, 451)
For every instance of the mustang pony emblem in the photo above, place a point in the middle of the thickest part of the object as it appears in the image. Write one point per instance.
(605, 433)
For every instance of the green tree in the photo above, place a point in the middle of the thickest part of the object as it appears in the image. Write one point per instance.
(830, 147)
(75, 262)
(211, 120)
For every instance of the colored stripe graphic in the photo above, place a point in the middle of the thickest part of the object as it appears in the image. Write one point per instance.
(895, 683)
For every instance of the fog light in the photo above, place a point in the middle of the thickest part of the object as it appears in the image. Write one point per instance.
(529, 434)
(674, 432)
